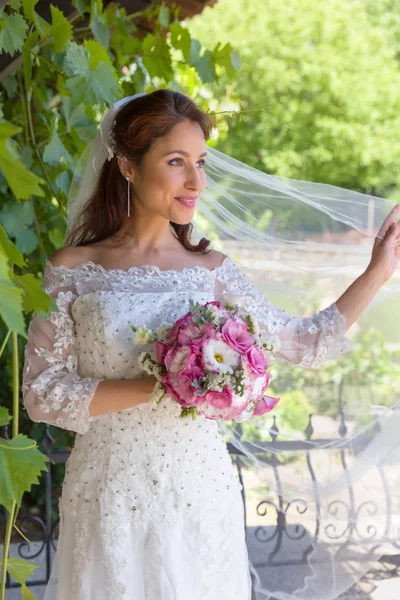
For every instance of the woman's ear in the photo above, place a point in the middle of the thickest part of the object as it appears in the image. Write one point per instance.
(125, 168)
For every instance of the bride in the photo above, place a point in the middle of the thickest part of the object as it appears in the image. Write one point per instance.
(151, 508)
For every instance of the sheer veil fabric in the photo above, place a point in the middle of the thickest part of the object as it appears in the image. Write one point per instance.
(322, 505)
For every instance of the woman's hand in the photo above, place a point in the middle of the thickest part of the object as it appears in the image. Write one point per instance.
(386, 251)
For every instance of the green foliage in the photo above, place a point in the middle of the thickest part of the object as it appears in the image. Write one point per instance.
(371, 367)
(317, 94)
(20, 570)
(291, 413)
(49, 110)
(20, 464)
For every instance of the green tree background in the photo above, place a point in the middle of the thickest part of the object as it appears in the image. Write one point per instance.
(319, 82)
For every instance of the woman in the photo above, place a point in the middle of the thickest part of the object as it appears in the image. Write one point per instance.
(151, 508)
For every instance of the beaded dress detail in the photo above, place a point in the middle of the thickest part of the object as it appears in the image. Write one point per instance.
(151, 506)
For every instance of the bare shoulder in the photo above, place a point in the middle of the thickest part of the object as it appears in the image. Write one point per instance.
(216, 258)
(70, 256)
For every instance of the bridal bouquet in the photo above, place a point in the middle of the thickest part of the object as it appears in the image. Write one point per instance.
(213, 361)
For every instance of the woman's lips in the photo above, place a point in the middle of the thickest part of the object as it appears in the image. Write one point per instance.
(187, 201)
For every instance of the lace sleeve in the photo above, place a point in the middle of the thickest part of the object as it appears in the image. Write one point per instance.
(307, 341)
(52, 390)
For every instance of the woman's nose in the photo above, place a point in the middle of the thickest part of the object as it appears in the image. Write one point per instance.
(195, 178)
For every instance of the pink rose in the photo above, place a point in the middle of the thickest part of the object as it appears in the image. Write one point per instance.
(180, 323)
(235, 334)
(268, 377)
(258, 361)
(221, 399)
(179, 358)
(180, 387)
(195, 333)
(161, 351)
(265, 405)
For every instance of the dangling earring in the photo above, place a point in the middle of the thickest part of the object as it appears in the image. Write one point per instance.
(129, 196)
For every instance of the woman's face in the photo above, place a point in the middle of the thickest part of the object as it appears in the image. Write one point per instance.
(173, 168)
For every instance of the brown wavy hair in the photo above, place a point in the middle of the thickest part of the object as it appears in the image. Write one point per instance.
(138, 124)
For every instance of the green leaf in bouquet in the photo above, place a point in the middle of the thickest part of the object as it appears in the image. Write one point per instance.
(192, 410)
(21, 464)
(238, 378)
(250, 324)
(201, 386)
(197, 310)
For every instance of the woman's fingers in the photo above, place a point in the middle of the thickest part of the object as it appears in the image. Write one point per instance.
(391, 233)
(390, 219)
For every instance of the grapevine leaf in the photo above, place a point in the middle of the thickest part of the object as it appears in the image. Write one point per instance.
(10, 301)
(20, 569)
(21, 464)
(14, 33)
(61, 29)
(5, 416)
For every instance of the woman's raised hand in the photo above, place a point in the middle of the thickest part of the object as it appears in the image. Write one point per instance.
(386, 251)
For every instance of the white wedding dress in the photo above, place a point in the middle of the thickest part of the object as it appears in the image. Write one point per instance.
(151, 506)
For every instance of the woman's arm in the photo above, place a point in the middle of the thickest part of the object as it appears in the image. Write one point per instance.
(358, 295)
(384, 261)
(113, 395)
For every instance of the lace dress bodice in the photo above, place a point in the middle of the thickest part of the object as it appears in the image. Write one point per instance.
(89, 339)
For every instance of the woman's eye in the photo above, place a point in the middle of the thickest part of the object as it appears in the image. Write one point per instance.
(203, 162)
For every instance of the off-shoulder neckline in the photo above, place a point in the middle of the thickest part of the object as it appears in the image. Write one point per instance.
(89, 265)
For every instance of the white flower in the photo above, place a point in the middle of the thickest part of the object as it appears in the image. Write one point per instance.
(142, 335)
(273, 342)
(145, 363)
(231, 299)
(219, 357)
(211, 314)
(162, 332)
(157, 393)
(157, 371)
(217, 381)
